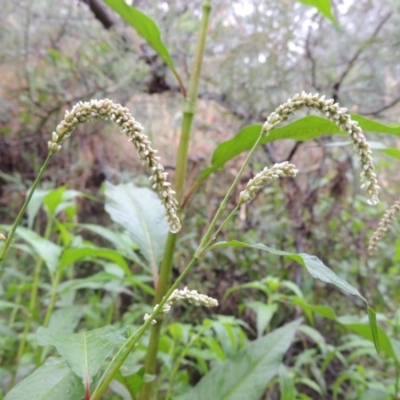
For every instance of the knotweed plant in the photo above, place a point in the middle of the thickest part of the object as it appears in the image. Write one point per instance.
(106, 109)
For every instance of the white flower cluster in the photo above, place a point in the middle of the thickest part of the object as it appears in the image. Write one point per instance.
(266, 175)
(106, 109)
(383, 227)
(191, 296)
(343, 120)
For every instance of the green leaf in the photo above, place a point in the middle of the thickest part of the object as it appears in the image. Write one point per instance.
(121, 241)
(392, 152)
(313, 264)
(245, 375)
(303, 129)
(369, 331)
(35, 204)
(83, 352)
(286, 386)
(65, 319)
(369, 125)
(8, 304)
(140, 212)
(133, 382)
(264, 314)
(53, 380)
(71, 256)
(45, 249)
(323, 7)
(374, 328)
(147, 29)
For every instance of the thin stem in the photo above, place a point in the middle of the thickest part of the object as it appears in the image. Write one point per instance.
(21, 213)
(53, 297)
(49, 312)
(213, 237)
(189, 111)
(178, 362)
(125, 350)
(209, 236)
(32, 304)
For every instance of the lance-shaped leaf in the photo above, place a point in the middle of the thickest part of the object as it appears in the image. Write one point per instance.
(45, 249)
(306, 128)
(53, 380)
(140, 212)
(323, 7)
(319, 271)
(83, 352)
(147, 29)
(313, 264)
(246, 374)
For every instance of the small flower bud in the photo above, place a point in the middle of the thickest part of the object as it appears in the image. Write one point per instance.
(265, 176)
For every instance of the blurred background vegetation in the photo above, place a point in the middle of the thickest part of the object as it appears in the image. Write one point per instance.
(259, 53)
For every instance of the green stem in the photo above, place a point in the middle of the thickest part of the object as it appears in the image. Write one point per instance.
(53, 297)
(178, 362)
(21, 213)
(209, 235)
(32, 304)
(126, 349)
(49, 312)
(189, 111)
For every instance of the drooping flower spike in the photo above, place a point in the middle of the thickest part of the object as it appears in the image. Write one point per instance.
(383, 227)
(106, 109)
(343, 120)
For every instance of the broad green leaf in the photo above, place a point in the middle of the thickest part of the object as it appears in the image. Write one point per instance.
(286, 386)
(65, 319)
(313, 264)
(147, 29)
(141, 213)
(264, 314)
(53, 380)
(45, 249)
(306, 128)
(71, 256)
(83, 352)
(323, 7)
(246, 374)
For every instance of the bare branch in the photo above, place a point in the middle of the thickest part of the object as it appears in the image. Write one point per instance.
(357, 54)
